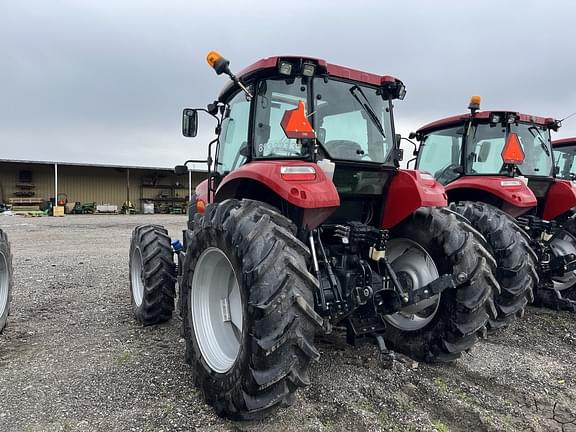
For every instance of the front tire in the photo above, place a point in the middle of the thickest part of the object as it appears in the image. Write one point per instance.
(249, 321)
(449, 324)
(517, 263)
(152, 274)
(6, 279)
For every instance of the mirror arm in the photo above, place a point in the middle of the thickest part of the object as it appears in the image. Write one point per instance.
(411, 142)
(210, 113)
(210, 160)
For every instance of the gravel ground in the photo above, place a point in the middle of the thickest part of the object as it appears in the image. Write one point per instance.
(73, 359)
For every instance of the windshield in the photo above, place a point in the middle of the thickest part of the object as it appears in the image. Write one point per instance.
(440, 153)
(274, 98)
(352, 122)
(564, 162)
(486, 141)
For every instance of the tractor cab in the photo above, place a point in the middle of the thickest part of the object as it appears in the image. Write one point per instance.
(493, 154)
(302, 118)
(564, 158)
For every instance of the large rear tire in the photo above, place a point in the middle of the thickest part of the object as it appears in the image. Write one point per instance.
(6, 279)
(517, 263)
(152, 274)
(440, 241)
(559, 292)
(248, 314)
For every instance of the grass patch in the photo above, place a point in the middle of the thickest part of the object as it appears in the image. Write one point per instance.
(440, 426)
(123, 358)
(441, 384)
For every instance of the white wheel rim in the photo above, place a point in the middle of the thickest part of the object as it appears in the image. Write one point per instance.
(217, 310)
(4, 282)
(563, 244)
(136, 273)
(412, 263)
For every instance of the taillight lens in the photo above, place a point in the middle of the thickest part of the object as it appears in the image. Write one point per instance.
(511, 183)
(298, 173)
(200, 206)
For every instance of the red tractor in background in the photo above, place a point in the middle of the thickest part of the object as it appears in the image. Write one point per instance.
(306, 223)
(498, 171)
(564, 158)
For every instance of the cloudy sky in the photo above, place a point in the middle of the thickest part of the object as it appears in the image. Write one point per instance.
(105, 81)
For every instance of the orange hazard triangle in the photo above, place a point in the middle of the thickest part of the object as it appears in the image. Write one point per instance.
(295, 123)
(513, 152)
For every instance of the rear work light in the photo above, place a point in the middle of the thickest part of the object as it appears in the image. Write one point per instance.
(513, 152)
(298, 173)
(308, 69)
(285, 68)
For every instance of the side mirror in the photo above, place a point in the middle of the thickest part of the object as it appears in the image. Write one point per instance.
(189, 122)
(180, 170)
(398, 139)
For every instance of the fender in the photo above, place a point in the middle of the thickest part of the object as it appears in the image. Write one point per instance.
(561, 197)
(518, 198)
(311, 191)
(201, 191)
(408, 191)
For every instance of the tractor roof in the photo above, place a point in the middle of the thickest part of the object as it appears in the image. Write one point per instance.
(564, 142)
(270, 64)
(461, 118)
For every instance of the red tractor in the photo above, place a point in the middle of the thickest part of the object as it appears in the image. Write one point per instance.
(564, 153)
(306, 223)
(5, 279)
(498, 171)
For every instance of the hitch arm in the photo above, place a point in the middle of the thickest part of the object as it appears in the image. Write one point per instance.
(388, 301)
(561, 265)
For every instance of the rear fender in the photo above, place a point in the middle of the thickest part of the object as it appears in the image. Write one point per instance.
(561, 197)
(408, 191)
(201, 191)
(516, 197)
(317, 196)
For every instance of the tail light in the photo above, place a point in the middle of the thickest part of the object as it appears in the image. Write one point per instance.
(298, 173)
(200, 206)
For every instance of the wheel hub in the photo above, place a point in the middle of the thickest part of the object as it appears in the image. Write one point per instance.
(563, 244)
(4, 282)
(136, 279)
(216, 308)
(414, 268)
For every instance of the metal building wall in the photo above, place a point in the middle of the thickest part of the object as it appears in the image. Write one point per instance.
(42, 177)
(103, 185)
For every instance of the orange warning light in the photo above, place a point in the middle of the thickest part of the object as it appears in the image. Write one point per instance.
(213, 57)
(474, 103)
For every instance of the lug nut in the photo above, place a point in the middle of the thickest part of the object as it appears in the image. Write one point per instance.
(461, 277)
